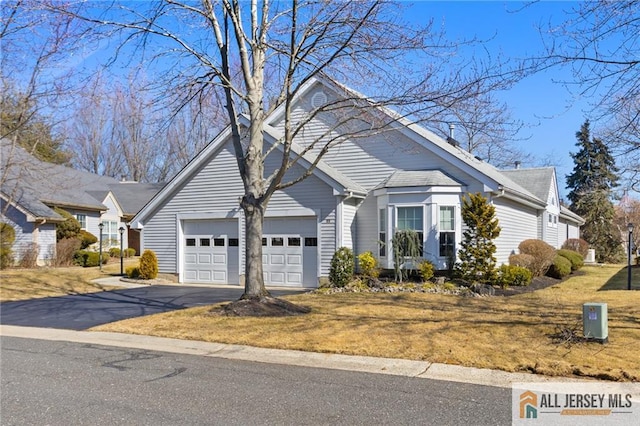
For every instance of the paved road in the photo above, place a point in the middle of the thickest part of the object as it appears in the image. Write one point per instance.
(83, 311)
(63, 383)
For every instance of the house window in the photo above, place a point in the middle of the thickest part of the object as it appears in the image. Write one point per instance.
(234, 242)
(382, 233)
(191, 242)
(110, 233)
(218, 242)
(205, 242)
(310, 242)
(293, 242)
(82, 220)
(410, 218)
(447, 228)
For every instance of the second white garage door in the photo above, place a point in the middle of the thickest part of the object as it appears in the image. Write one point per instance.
(289, 252)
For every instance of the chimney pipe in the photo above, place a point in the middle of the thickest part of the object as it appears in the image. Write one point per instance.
(518, 164)
(452, 127)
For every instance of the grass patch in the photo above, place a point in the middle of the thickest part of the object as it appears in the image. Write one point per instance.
(517, 333)
(23, 284)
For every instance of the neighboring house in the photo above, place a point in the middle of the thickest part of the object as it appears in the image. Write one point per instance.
(30, 190)
(360, 193)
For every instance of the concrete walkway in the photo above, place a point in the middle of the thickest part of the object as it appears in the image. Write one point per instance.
(397, 367)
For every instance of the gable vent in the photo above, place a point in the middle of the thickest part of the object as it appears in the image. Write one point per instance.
(318, 99)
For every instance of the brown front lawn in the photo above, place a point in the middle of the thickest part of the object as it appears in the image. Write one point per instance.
(537, 332)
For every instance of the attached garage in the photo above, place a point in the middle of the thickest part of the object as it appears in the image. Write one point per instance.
(211, 251)
(290, 252)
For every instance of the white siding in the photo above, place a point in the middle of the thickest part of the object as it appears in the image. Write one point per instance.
(349, 209)
(367, 226)
(517, 223)
(27, 233)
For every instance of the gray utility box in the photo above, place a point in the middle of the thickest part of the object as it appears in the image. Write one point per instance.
(595, 321)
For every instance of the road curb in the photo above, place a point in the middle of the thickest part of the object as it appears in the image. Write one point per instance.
(364, 364)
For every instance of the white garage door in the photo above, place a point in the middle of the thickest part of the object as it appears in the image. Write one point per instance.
(211, 251)
(289, 252)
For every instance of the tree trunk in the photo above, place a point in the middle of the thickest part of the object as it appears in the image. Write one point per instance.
(254, 279)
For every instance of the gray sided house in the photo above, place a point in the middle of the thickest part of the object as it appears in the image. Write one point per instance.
(405, 177)
(30, 190)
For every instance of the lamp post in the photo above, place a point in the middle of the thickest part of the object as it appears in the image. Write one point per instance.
(121, 229)
(101, 226)
(630, 242)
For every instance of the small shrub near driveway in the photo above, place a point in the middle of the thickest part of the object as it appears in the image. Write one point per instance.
(133, 272)
(576, 259)
(543, 255)
(342, 267)
(560, 268)
(148, 265)
(426, 270)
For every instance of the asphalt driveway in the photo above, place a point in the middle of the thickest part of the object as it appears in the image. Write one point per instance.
(83, 311)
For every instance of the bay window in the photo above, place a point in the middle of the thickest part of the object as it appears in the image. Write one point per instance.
(447, 228)
(411, 218)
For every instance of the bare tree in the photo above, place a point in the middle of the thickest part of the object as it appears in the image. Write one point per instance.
(600, 42)
(233, 46)
(484, 127)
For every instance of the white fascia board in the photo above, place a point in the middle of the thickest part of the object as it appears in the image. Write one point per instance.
(231, 214)
(420, 190)
(182, 176)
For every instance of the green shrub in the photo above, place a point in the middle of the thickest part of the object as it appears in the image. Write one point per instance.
(86, 239)
(129, 252)
(132, 271)
(543, 255)
(368, 265)
(114, 252)
(425, 270)
(70, 228)
(512, 275)
(576, 259)
(577, 244)
(342, 267)
(89, 258)
(560, 268)
(148, 265)
(7, 238)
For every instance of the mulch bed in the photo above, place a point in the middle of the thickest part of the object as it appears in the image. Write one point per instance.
(538, 283)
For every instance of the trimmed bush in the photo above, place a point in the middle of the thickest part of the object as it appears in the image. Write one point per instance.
(577, 261)
(577, 244)
(342, 267)
(129, 252)
(7, 238)
(560, 268)
(114, 252)
(426, 270)
(86, 239)
(543, 255)
(148, 265)
(512, 275)
(368, 265)
(522, 260)
(132, 271)
(89, 259)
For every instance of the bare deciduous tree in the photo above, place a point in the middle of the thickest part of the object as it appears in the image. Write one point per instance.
(233, 46)
(600, 42)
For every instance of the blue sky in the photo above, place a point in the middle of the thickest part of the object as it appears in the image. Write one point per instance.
(550, 113)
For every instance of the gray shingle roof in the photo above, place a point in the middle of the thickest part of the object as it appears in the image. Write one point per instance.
(537, 180)
(35, 185)
(404, 178)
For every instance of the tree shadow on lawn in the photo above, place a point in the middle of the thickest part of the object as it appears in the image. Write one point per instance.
(620, 280)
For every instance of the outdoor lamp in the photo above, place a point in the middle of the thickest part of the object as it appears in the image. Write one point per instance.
(630, 241)
(101, 226)
(121, 229)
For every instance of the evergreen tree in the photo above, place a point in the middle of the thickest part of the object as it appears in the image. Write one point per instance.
(477, 260)
(592, 182)
(21, 122)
